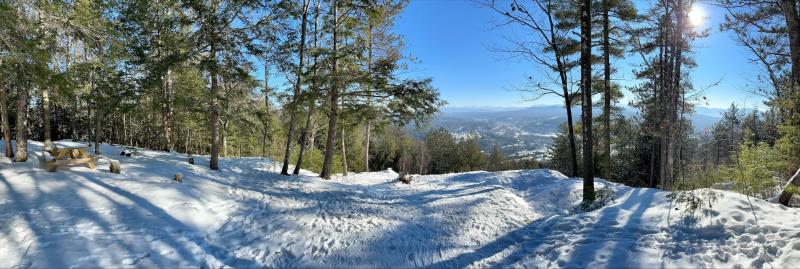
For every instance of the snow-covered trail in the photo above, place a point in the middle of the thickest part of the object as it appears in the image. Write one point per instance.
(313, 223)
(246, 216)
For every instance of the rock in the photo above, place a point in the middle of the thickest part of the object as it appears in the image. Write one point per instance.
(114, 166)
(405, 178)
(178, 178)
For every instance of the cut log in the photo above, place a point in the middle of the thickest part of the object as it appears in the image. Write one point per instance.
(786, 194)
(178, 178)
(405, 178)
(114, 166)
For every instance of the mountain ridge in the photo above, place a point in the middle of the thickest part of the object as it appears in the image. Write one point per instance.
(529, 131)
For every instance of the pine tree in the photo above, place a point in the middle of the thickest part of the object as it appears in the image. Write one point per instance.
(298, 82)
(313, 92)
(662, 95)
(388, 98)
(623, 11)
(222, 32)
(333, 95)
(496, 159)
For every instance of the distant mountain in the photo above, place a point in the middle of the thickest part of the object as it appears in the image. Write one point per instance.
(528, 131)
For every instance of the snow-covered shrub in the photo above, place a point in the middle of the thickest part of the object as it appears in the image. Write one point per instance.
(694, 202)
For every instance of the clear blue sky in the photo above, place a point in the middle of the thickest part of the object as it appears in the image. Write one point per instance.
(453, 43)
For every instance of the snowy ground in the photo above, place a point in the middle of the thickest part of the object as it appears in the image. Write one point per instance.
(248, 216)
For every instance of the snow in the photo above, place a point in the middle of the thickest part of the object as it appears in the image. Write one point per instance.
(246, 215)
(69, 144)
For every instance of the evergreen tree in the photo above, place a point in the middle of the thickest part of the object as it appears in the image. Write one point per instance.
(614, 14)
(496, 160)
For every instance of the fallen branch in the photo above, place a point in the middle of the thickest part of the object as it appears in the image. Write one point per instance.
(786, 194)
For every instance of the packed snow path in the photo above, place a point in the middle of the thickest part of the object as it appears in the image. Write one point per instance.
(248, 216)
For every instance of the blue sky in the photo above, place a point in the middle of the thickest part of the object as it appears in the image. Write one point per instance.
(453, 42)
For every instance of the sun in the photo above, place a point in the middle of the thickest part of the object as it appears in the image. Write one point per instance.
(696, 16)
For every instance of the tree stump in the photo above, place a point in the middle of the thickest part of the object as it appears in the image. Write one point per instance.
(178, 178)
(405, 178)
(113, 166)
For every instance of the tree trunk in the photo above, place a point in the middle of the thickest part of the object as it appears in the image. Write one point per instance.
(606, 90)
(5, 125)
(652, 175)
(562, 73)
(169, 112)
(793, 26)
(224, 139)
(264, 133)
(573, 151)
(214, 161)
(298, 82)
(97, 129)
(344, 153)
(304, 139)
(586, 89)
(309, 125)
(46, 117)
(288, 152)
(124, 130)
(22, 124)
(675, 96)
(333, 95)
(369, 98)
(266, 120)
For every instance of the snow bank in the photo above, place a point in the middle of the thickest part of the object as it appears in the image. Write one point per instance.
(246, 215)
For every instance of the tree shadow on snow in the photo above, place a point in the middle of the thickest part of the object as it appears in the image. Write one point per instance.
(58, 215)
(572, 242)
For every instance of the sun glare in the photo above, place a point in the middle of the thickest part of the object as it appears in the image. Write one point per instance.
(696, 16)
